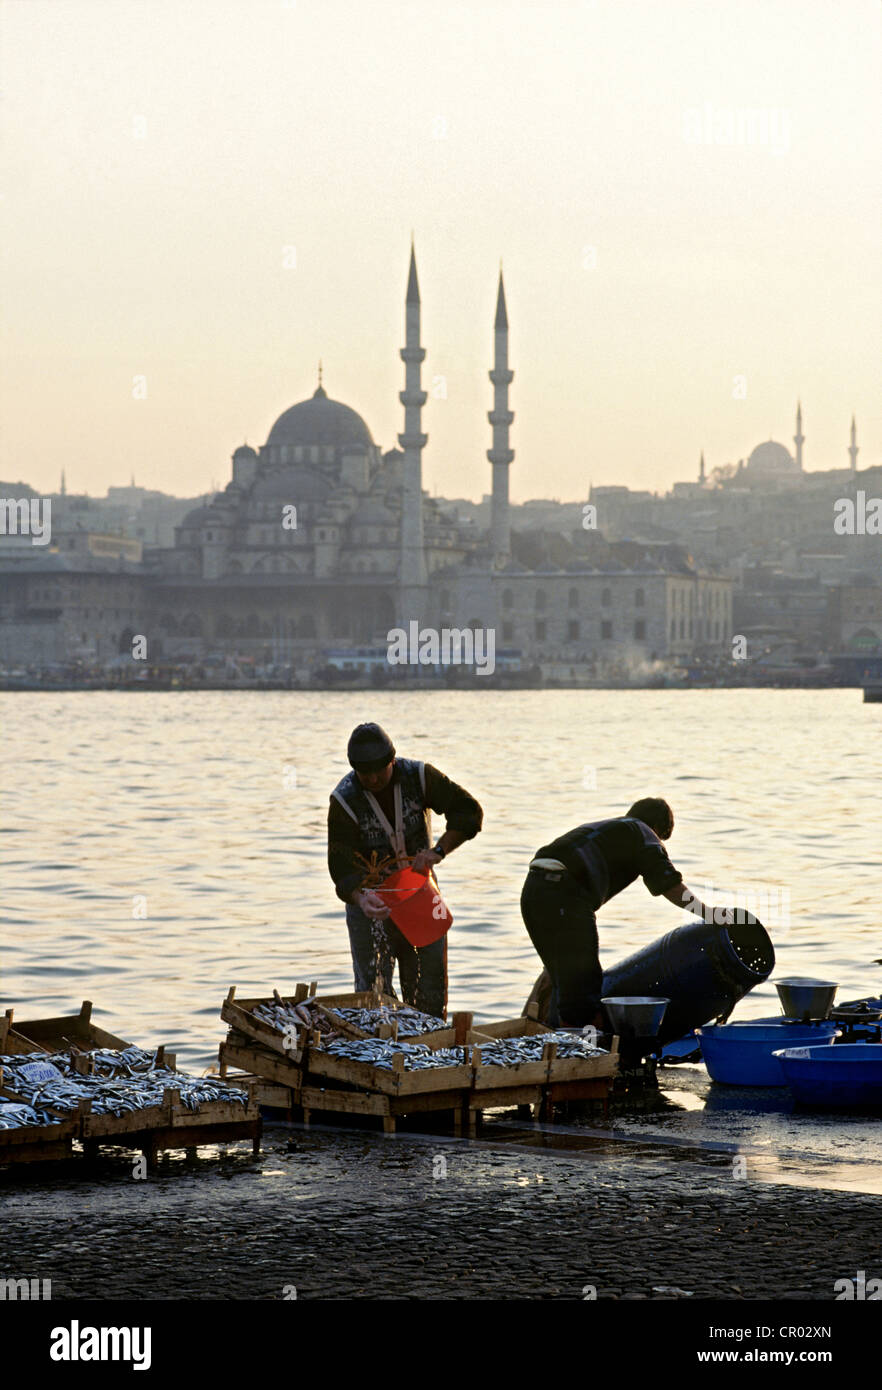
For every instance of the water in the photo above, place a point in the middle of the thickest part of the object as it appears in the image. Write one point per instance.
(207, 813)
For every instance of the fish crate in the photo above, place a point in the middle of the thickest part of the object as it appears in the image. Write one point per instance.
(528, 1075)
(358, 999)
(170, 1125)
(327, 1100)
(71, 1031)
(270, 1066)
(541, 1084)
(266, 1093)
(123, 1128)
(394, 1081)
(240, 1016)
(38, 1143)
(459, 1033)
(514, 1028)
(464, 1030)
(74, 1031)
(565, 1070)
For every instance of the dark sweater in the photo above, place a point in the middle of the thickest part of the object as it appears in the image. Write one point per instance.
(461, 811)
(608, 855)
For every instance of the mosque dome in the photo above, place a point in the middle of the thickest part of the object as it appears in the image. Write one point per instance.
(320, 421)
(197, 517)
(772, 457)
(292, 485)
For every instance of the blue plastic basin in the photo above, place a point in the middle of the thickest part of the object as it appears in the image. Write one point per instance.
(850, 1074)
(743, 1054)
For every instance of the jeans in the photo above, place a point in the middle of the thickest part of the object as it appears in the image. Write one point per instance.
(422, 971)
(559, 916)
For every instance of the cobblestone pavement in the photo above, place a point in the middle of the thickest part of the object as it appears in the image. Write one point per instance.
(355, 1215)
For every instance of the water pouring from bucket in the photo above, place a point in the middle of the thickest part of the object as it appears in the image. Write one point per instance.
(416, 906)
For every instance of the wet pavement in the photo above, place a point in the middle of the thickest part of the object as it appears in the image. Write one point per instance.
(348, 1214)
(779, 1141)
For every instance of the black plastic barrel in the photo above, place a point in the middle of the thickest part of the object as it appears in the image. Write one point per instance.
(703, 968)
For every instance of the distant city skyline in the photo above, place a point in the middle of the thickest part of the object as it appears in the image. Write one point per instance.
(213, 197)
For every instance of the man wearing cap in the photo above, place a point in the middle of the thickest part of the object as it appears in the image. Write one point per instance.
(381, 810)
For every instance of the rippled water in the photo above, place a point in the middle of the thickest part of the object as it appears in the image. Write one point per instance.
(207, 811)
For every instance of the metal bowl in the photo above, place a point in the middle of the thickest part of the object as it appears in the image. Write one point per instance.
(635, 1015)
(804, 999)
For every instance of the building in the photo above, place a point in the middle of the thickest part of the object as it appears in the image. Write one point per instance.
(321, 539)
(322, 542)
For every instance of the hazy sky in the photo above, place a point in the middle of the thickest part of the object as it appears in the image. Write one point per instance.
(159, 157)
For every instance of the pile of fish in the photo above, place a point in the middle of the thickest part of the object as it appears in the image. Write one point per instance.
(378, 1052)
(283, 1015)
(411, 1023)
(123, 1082)
(501, 1052)
(15, 1116)
(510, 1052)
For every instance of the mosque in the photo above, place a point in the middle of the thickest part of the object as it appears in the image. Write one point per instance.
(323, 540)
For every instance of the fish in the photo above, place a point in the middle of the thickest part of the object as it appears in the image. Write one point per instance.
(379, 1052)
(511, 1052)
(410, 1021)
(120, 1084)
(16, 1116)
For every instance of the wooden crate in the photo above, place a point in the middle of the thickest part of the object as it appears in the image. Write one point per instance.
(170, 1125)
(270, 1066)
(570, 1069)
(388, 1108)
(513, 1028)
(524, 1074)
(363, 999)
(395, 1082)
(38, 1143)
(458, 1034)
(123, 1128)
(56, 1034)
(266, 1093)
(240, 1016)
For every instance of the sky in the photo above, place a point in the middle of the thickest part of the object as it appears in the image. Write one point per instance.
(203, 199)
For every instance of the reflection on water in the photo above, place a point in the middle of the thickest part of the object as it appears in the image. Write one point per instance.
(160, 847)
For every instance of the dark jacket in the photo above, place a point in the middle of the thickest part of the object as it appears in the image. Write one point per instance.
(606, 856)
(347, 840)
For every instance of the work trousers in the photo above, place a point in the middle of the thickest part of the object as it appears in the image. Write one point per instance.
(422, 971)
(559, 916)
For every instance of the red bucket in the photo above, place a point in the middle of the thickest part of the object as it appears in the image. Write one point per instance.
(418, 910)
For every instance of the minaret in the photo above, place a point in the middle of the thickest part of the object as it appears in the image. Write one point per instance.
(799, 437)
(412, 570)
(702, 475)
(853, 447)
(63, 484)
(500, 418)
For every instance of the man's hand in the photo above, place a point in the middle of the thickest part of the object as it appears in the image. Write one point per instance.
(371, 904)
(423, 861)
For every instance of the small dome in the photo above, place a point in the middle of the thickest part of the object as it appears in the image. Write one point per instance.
(245, 451)
(195, 518)
(772, 457)
(320, 421)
